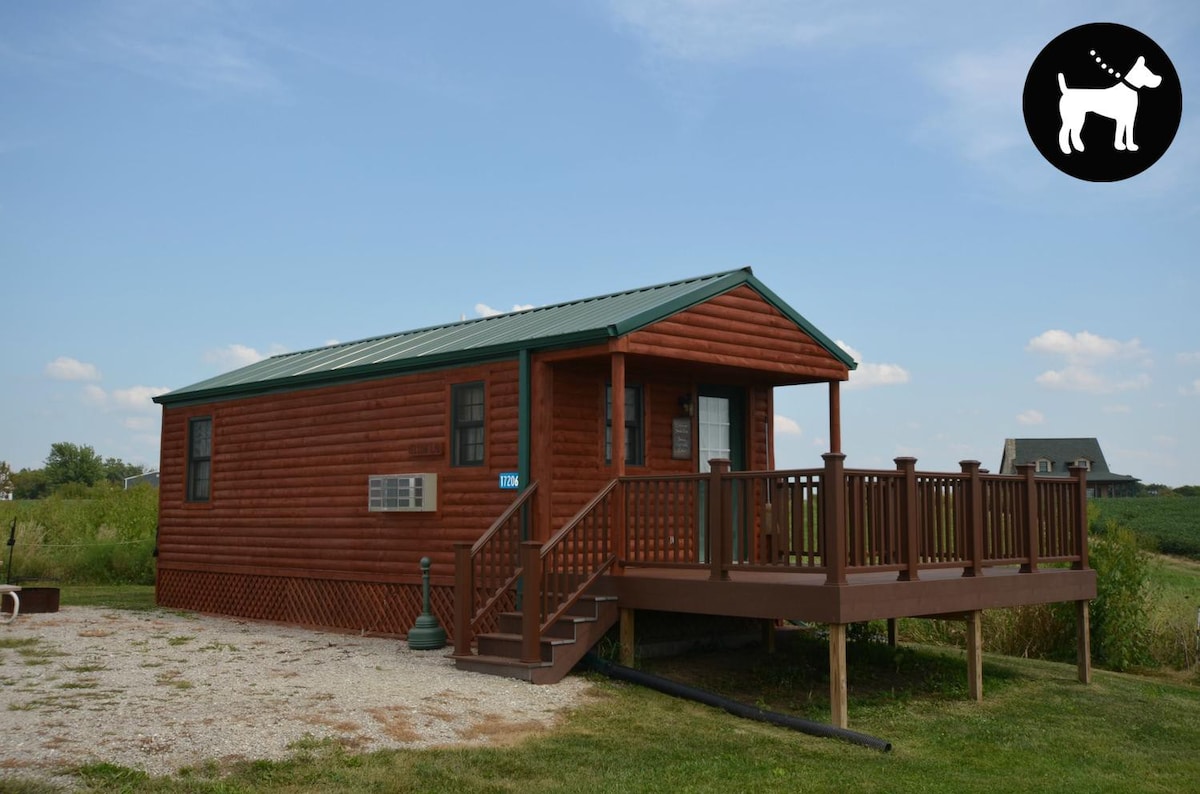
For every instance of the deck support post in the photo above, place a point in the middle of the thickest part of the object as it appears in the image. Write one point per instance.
(627, 637)
(1083, 641)
(838, 697)
(768, 632)
(975, 655)
(891, 630)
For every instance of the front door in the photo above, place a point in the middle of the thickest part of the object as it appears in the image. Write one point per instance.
(721, 428)
(721, 423)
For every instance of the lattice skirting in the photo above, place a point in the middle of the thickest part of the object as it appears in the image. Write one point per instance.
(367, 607)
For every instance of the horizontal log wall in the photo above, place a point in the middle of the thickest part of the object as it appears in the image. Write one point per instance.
(289, 484)
(739, 329)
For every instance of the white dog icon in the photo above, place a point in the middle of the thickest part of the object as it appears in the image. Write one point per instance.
(1118, 102)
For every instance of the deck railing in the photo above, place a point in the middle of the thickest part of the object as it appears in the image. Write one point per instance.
(486, 572)
(565, 566)
(841, 521)
(833, 521)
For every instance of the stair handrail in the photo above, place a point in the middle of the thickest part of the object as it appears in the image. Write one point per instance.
(535, 603)
(469, 614)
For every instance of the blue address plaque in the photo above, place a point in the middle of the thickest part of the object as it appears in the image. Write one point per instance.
(510, 480)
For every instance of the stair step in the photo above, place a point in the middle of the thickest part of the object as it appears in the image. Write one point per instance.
(509, 645)
(563, 628)
(503, 666)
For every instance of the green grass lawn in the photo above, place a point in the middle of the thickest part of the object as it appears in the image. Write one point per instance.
(1037, 730)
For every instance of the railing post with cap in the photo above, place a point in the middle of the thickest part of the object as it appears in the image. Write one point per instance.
(973, 511)
(718, 528)
(909, 517)
(833, 518)
(1029, 515)
(1081, 521)
(531, 607)
(464, 598)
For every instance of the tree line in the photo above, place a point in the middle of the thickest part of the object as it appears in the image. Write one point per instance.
(69, 470)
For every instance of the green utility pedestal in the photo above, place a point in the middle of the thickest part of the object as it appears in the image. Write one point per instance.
(426, 634)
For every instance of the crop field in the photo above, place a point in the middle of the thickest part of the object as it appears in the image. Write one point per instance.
(1170, 523)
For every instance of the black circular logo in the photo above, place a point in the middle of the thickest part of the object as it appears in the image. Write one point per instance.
(1102, 102)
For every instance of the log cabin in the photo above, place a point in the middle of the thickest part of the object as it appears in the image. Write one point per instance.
(307, 487)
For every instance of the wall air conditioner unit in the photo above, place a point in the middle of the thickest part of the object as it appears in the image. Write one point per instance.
(402, 493)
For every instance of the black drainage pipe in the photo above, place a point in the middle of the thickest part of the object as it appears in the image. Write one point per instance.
(676, 689)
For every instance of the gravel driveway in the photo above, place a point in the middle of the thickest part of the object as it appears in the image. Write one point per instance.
(158, 691)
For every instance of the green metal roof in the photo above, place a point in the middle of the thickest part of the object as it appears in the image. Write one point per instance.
(576, 323)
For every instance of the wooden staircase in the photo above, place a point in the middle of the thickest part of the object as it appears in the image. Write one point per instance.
(562, 644)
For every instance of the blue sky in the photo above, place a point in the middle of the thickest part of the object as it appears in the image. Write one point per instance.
(188, 186)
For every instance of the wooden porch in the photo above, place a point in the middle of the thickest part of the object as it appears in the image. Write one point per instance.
(829, 545)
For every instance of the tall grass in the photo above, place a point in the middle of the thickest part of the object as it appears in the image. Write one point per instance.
(106, 538)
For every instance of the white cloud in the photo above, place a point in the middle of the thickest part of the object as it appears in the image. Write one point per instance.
(1094, 364)
(1031, 417)
(67, 368)
(483, 310)
(787, 426)
(1084, 345)
(868, 375)
(235, 356)
(1192, 389)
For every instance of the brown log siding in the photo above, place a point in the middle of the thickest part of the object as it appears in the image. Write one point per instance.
(289, 484)
(738, 329)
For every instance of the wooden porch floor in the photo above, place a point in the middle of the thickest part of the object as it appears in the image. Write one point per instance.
(866, 596)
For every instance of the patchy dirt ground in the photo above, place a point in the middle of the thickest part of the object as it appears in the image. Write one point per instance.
(158, 691)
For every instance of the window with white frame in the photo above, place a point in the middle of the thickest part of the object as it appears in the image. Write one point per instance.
(1044, 466)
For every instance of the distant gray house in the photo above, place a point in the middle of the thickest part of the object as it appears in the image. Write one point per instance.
(149, 478)
(1053, 456)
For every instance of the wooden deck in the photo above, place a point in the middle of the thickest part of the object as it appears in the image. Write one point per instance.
(830, 545)
(789, 595)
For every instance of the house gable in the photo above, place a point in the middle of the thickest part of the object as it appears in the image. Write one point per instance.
(741, 329)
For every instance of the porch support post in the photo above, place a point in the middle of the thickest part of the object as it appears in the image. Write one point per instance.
(627, 637)
(975, 655)
(1083, 641)
(768, 632)
(541, 465)
(835, 416)
(891, 629)
(618, 414)
(838, 697)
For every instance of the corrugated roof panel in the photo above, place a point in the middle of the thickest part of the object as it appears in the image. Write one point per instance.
(576, 322)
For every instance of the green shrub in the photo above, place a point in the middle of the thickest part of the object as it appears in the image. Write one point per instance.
(1120, 630)
(105, 538)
